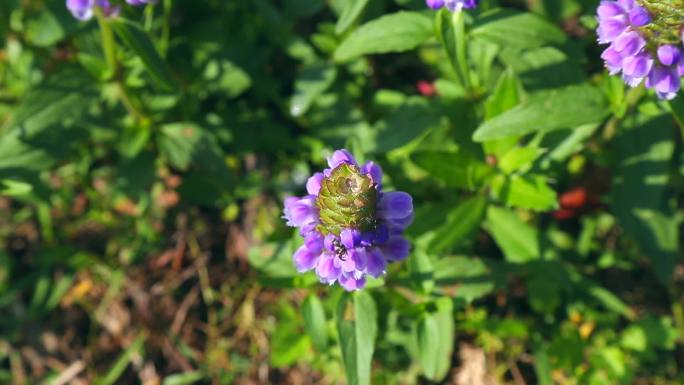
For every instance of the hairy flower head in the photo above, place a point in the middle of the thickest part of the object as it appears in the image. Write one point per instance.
(351, 227)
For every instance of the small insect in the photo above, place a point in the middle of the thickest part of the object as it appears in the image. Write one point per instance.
(340, 250)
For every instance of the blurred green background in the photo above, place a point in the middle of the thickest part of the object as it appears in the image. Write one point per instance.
(141, 239)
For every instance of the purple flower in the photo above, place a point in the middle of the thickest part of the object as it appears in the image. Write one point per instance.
(85, 9)
(140, 2)
(452, 5)
(665, 81)
(636, 51)
(435, 4)
(351, 228)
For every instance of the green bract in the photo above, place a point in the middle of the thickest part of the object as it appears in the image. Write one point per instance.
(347, 200)
(667, 20)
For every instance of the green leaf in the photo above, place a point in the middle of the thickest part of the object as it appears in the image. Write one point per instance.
(455, 169)
(471, 275)
(357, 328)
(519, 159)
(435, 334)
(451, 32)
(117, 369)
(640, 191)
(544, 282)
(15, 188)
(544, 67)
(64, 96)
(518, 240)
(677, 108)
(508, 28)
(542, 367)
(545, 111)
(311, 83)
(506, 95)
(410, 121)
(137, 40)
(421, 272)
(461, 222)
(185, 144)
(288, 344)
(397, 32)
(17, 154)
(45, 30)
(274, 260)
(352, 11)
(40, 292)
(528, 192)
(314, 322)
(224, 76)
(607, 299)
(651, 333)
(59, 289)
(183, 378)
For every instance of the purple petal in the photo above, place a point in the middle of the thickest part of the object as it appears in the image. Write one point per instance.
(608, 9)
(396, 205)
(435, 4)
(399, 224)
(371, 168)
(305, 259)
(666, 95)
(314, 242)
(629, 43)
(669, 54)
(350, 283)
(639, 16)
(350, 238)
(457, 5)
(375, 263)
(627, 5)
(301, 212)
(313, 184)
(81, 9)
(613, 60)
(326, 269)
(665, 81)
(397, 248)
(341, 156)
(329, 242)
(611, 29)
(359, 256)
(637, 66)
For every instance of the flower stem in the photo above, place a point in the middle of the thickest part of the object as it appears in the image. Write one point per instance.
(114, 71)
(108, 44)
(461, 50)
(166, 27)
(632, 98)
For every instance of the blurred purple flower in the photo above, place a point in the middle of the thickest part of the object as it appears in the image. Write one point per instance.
(452, 5)
(635, 51)
(140, 2)
(84, 9)
(351, 228)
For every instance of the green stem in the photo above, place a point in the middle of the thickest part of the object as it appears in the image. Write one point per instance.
(166, 27)
(677, 109)
(108, 44)
(149, 17)
(632, 98)
(678, 315)
(114, 71)
(461, 49)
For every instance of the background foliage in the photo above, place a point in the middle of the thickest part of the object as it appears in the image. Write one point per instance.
(141, 196)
